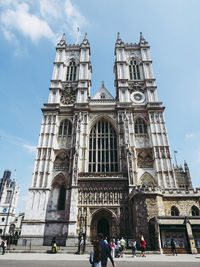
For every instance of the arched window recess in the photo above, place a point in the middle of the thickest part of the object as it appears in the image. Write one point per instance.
(194, 211)
(65, 129)
(140, 127)
(61, 198)
(134, 70)
(71, 71)
(103, 148)
(174, 211)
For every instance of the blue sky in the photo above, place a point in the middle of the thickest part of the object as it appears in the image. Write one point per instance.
(29, 31)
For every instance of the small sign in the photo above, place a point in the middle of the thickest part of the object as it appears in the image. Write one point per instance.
(4, 210)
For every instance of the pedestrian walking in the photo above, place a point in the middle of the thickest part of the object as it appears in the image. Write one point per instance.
(142, 246)
(3, 245)
(173, 247)
(105, 252)
(96, 255)
(123, 244)
(134, 247)
(112, 246)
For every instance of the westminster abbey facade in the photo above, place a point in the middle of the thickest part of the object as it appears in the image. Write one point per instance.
(104, 164)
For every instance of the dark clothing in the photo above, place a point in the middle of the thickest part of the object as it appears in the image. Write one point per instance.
(173, 247)
(105, 253)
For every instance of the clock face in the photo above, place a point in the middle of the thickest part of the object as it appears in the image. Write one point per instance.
(68, 96)
(138, 97)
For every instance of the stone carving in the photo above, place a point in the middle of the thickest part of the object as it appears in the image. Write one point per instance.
(144, 157)
(61, 162)
(136, 86)
(102, 192)
(68, 95)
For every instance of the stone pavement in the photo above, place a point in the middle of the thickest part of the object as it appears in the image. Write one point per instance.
(127, 258)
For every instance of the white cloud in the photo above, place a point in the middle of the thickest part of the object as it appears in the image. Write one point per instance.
(31, 149)
(190, 135)
(27, 24)
(40, 19)
(18, 141)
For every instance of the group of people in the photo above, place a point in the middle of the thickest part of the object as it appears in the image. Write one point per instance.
(102, 250)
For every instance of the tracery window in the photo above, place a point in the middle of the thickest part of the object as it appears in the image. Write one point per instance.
(61, 199)
(134, 70)
(71, 72)
(140, 126)
(195, 211)
(8, 196)
(174, 211)
(65, 129)
(103, 155)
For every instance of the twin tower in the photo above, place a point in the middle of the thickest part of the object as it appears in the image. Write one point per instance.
(96, 156)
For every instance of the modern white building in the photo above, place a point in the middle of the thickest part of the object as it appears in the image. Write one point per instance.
(103, 164)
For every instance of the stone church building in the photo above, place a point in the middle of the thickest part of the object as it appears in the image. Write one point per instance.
(104, 164)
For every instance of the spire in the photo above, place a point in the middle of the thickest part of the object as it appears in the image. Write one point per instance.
(119, 40)
(186, 165)
(85, 40)
(142, 39)
(102, 84)
(62, 41)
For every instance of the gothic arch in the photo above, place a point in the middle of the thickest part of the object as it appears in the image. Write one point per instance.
(106, 118)
(59, 180)
(174, 211)
(147, 180)
(60, 120)
(139, 116)
(135, 58)
(194, 211)
(72, 58)
(107, 215)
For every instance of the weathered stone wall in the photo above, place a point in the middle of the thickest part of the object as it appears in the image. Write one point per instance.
(184, 204)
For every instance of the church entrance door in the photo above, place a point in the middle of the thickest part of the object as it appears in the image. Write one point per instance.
(103, 221)
(103, 227)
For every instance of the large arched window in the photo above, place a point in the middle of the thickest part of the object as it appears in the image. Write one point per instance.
(134, 70)
(65, 129)
(174, 211)
(61, 199)
(195, 211)
(140, 126)
(71, 72)
(103, 155)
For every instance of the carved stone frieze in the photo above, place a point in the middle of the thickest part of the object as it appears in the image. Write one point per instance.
(136, 86)
(102, 192)
(144, 157)
(61, 162)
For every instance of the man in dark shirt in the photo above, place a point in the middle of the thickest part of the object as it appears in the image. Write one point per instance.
(105, 252)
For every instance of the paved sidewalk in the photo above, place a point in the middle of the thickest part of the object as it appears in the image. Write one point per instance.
(126, 258)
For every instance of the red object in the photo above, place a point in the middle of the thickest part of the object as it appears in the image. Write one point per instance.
(143, 243)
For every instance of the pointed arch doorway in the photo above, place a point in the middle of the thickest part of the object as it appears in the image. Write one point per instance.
(103, 221)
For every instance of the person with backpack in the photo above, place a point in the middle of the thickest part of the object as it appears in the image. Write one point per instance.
(96, 254)
(105, 252)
